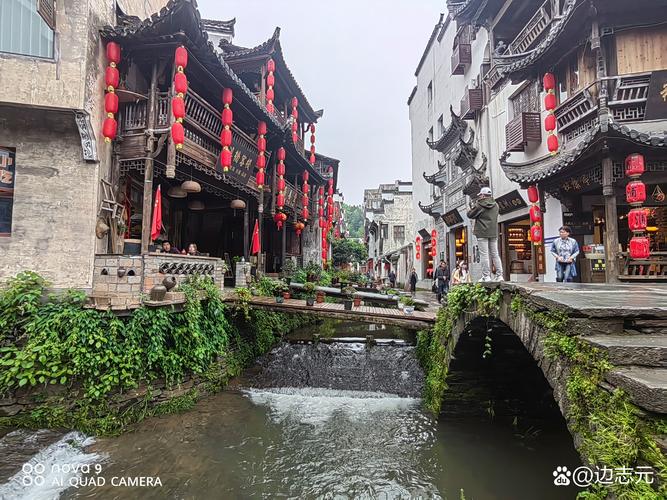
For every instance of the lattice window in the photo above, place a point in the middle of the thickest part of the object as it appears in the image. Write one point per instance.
(526, 101)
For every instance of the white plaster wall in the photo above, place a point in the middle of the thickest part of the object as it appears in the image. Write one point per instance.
(553, 220)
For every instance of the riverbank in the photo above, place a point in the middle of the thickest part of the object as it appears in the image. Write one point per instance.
(64, 366)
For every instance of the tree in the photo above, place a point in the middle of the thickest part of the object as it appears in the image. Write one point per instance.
(348, 250)
(354, 219)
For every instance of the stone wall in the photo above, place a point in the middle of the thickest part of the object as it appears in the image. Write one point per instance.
(53, 223)
(157, 266)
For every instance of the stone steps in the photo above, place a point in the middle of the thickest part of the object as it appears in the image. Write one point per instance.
(646, 386)
(637, 350)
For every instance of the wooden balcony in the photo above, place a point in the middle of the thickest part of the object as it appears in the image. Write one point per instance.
(472, 102)
(461, 58)
(538, 24)
(578, 109)
(524, 128)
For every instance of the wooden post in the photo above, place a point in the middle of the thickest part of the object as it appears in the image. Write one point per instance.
(611, 222)
(283, 244)
(148, 173)
(246, 235)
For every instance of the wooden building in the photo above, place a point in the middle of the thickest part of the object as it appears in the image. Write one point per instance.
(608, 59)
(219, 215)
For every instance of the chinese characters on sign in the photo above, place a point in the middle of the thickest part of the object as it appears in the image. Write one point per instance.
(510, 202)
(243, 162)
(452, 218)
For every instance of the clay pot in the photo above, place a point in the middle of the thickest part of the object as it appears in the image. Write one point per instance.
(319, 297)
(121, 272)
(158, 293)
(286, 295)
(169, 282)
(357, 301)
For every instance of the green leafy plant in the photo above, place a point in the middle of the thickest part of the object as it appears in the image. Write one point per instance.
(407, 301)
(349, 292)
(309, 290)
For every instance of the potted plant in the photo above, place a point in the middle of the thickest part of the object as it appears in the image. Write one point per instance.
(319, 296)
(408, 304)
(348, 292)
(286, 291)
(357, 301)
(278, 291)
(309, 292)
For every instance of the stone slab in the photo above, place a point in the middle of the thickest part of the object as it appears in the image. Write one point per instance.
(645, 350)
(647, 387)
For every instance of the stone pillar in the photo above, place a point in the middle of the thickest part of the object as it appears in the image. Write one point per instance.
(242, 273)
(611, 222)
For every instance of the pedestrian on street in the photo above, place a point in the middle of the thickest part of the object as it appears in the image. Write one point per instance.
(461, 274)
(565, 250)
(413, 282)
(442, 279)
(392, 279)
(485, 213)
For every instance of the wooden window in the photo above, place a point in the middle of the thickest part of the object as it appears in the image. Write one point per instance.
(47, 9)
(526, 101)
(7, 172)
(384, 229)
(399, 233)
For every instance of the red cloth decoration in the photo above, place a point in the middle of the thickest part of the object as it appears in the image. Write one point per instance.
(255, 239)
(156, 224)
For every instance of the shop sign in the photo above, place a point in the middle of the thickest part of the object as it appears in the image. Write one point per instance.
(656, 104)
(509, 202)
(244, 156)
(579, 224)
(452, 218)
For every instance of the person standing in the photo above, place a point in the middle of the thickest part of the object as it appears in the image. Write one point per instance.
(392, 278)
(485, 213)
(565, 250)
(442, 279)
(413, 282)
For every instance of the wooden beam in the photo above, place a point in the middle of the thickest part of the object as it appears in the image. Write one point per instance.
(611, 221)
(148, 171)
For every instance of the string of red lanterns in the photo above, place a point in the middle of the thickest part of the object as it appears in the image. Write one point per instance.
(295, 120)
(111, 80)
(226, 134)
(320, 206)
(270, 82)
(418, 247)
(434, 249)
(635, 194)
(261, 154)
(298, 227)
(312, 144)
(305, 213)
(178, 101)
(280, 217)
(535, 215)
(549, 82)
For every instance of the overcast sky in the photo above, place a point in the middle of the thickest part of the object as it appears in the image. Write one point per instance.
(354, 58)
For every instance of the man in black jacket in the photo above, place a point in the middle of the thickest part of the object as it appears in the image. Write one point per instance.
(442, 279)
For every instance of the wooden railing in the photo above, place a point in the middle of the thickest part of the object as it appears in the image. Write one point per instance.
(524, 128)
(652, 269)
(628, 96)
(577, 109)
(537, 25)
(461, 58)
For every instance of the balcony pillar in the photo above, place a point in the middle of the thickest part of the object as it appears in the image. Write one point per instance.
(148, 171)
(611, 222)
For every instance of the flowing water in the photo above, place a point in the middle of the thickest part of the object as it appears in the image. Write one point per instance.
(334, 419)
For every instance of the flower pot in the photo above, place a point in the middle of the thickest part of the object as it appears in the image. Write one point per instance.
(279, 299)
(310, 301)
(286, 295)
(169, 282)
(408, 310)
(158, 293)
(348, 305)
(357, 301)
(319, 297)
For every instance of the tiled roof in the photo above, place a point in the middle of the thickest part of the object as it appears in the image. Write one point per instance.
(435, 209)
(225, 26)
(648, 134)
(272, 48)
(451, 134)
(183, 16)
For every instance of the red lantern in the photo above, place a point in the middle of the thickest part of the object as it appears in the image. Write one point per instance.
(226, 137)
(270, 94)
(635, 192)
(312, 138)
(536, 234)
(111, 103)
(634, 165)
(637, 220)
(533, 194)
(226, 158)
(113, 52)
(261, 143)
(550, 122)
(261, 161)
(434, 234)
(639, 247)
(295, 102)
(227, 96)
(306, 213)
(109, 129)
(181, 58)
(280, 200)
(280, 168)
(178, 108)
(295, 137)
(259, 178)
(281, 184)
(270, 80)
(549, 81)
(552, 143)
(270, 65)
(312, 128)
(261, 129)
(178, 134)
(312, 150)
(227, 117)
(295, 126)
(305, 176)
(535, 214)
(312, 159)
(180, 83)
(111, 77)
(550, 102)
(281, 154)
